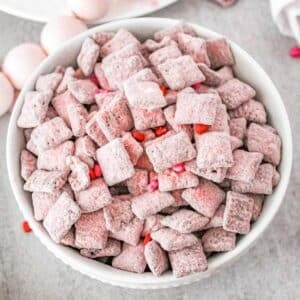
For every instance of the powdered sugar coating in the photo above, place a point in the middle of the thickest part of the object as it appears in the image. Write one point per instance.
(48, 82)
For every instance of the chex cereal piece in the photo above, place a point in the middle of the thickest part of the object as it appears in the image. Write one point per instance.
(105, 97)
(151, 45)
(217, 219)
(112, 248)
(261, 184)
(192, 108)
(252, 110)
(161, 55)
(88, 56)
(221, 120)
(48, 82)
(218, 240)
(170, 239)
(152, 223)
(69, 239)
(156, 258)
(102, 38)
(238, 213)
(170, 180)
(61, 217)
(245, 165)
(188, 260)
(85, 149)
(131, 258)
(145, 74)
(235, 92)
(133, 148)
(95, 197)
(235, 143)
(276, 177)
(169, 151)
(180, 72)
(195, 47)
(84, 90)
(185, 221)
(28, 164)
(94, 131)
(257, 206)
(115, 162)
(34, 109)
(137, 184)
(238, 127)
(212, 78)
(45, 181)
(150, 203)
(90, 231)
(205, 198)
(42, 202)
(54, 159)
(214, 150)
(99, 73)
(79, 178)
(225, 73)
(225, 3)
(118, 41)
(129, 233)
(144, 163)
(117, 213)
(219, 53)
(262, 140)
(68, 76)
(78, 119)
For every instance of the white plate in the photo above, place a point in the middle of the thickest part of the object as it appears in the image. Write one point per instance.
(44, 10)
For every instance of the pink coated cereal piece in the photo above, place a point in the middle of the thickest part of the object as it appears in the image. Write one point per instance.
(84, 90)
(137, 184)
(156, 258)
(113, 248)
(257, 206)
(95, 197)
(238, 127)
(90, 231)
(133, 148)
(170, 239)
(45, 181)
(235, 143)
(54, 159)
(219, 53)
(270, 128)
(48, 82)
(152, 223)
(205, 198)
(170, 180)
(102, 38)
(131, 258)
(88, 56)
(150, 203)
(79, 178)
(180, 72)
(69, 239)
(188, 260)
(225, 3)
(195, 47)
(218, 240)
(245, 165)
(263, 140)
(117, 213)
(78, 119)
(225, 73)
(129, 233)
(144, 162)
(174, 31)
(276, 177)
(238, 213)
(173, 149)
(252, 110)
(61, 217)
(69, 75)
(85, 149)
(161, 55)
(212, 78)
(34, 109)
(217, 219)
(115, 162)
(214, 150)
(28, 164)
(192, 108)
(261, 184)
(185, 221)
(235, 92)
(151, 45)
(94, 131)
(99, 73)
(221, 120)
(145, 74)
(106, 97)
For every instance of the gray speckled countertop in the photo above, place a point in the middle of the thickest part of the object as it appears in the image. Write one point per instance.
(270, 270)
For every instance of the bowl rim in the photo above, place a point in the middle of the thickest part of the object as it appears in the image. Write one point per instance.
(106, 273)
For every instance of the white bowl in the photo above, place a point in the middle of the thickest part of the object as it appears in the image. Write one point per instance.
(245, 68)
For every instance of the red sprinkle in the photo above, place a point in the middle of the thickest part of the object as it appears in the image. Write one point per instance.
(179, 168)
(164, 89)
(97, 171)
(147, 239)
(201, 128)
(152, 186)
(26, 227)
(93, 78)
(92, 174)
(139, 136)
(159, 131)
(295, 52)
(197, 85)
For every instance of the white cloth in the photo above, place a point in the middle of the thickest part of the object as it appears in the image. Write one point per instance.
(286, 15)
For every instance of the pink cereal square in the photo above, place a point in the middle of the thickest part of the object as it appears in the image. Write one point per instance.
(221, 120)
(61, 217)
(152, 223)
(238, 127)
(115, 162)
(68, 76)
(150, 45)
(161, 55)
(133, 148)
(235, 143)
(28, 164)
(218, 240)
(102, 38)
(276, 177)
(84, 90)
(217, 219)
(94, 131)
(145, 74)
(99, 73)
(212, 78)
(69, 239)
(257, 206)
(112, 248)
(131, 258)
(85, 149)
(78, 119)
(205, 198)
(137, 184)
(95, 197)
(173, 32)
(238, 213)
(235, 92)
(48, 82)
(188, 260)
(90, 231)
(226, 73)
